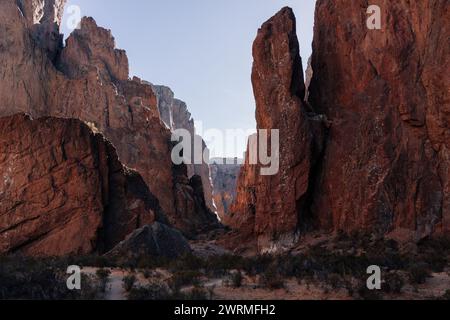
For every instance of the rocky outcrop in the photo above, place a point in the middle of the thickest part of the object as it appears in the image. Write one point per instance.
(88, 80)
(386, 165)
(369, 152)
(224, 178)
(44, 18)
(272, 207)
(64, 190)
(189, 199)
(175, 114)
(153, 241)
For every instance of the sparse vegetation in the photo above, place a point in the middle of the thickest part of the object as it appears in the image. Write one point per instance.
(236, 279)
(331, 265)
(103, 278)
(128, 282)
(41, 279)
(153, 291)
(393, 283)
(271, 280)
(184, 278)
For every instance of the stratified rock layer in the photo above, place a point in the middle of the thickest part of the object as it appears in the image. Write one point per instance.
(64, 191)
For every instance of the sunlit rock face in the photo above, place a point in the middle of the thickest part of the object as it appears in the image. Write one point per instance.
(64, 191)
(175, 115)
(386, 165)
(272, 207)
(224, 178)
(369, 150)
(88, 80)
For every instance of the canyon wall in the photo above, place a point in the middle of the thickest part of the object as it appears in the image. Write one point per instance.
(386, 163)
(175, 114)
(224, 179)
(272, 207)
(64, 190)
(369, 150)
(88, 80)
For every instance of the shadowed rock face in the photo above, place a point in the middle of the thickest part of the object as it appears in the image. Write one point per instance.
(64, 190)
(174, 113)
(88, 80)
(44, 18)
(272, 207)
(156, 241)
(372, 154)
(386, 165)
(224, 178)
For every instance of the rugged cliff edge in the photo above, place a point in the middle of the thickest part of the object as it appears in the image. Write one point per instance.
(175, 114)
(273, 207)
(88, 80)
(386, 164)
(64, 190)
(224, 178)
(369, 151)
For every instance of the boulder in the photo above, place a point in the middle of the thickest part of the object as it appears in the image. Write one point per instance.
(155, 241)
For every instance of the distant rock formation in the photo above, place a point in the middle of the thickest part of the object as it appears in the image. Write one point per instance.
(88, 80)
(224, 178)
(175, 114)
(64, 190)
(370, 150)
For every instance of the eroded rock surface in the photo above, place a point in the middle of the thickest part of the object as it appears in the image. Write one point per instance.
(369, 151)
(386, 165)
(154, 241)
(64, 190)
(88, 80)
(175, 114)
(224, 178)
(272, 207)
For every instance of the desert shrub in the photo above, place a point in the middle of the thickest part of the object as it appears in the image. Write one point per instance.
(128, 282)
(393, 283)
(219, 265)
(446, 295)
(198, 293)
(271, 280)
(236, 279)
(184, 278)
(147, 273)
(335, 281)
(187, 262)
(153, 291)
(103, 274)
(365, 294)
(103, 278)
(418, 273)
(40, 279)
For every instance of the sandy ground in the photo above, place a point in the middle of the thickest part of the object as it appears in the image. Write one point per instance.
(434, 287)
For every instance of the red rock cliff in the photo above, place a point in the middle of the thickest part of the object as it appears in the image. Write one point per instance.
(272, 207)
(88, 80)
(386, 164)
(64, 191)
(372, 154)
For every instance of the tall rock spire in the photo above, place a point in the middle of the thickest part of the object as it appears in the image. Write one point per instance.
(271, 207)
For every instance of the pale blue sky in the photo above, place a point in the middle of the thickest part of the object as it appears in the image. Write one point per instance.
(199, 48)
